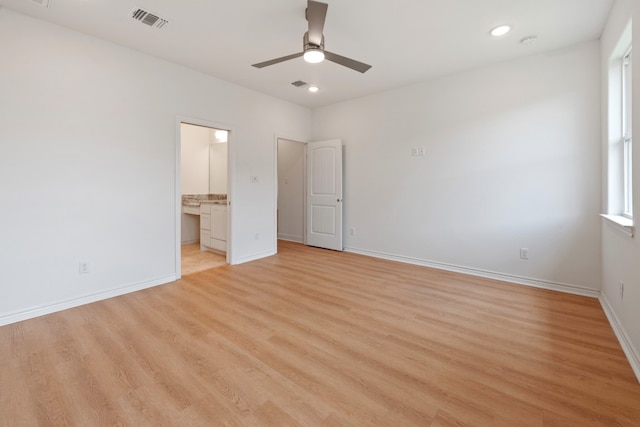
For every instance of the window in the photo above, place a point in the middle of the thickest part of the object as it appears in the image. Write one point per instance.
(627, 193)
(619, 139)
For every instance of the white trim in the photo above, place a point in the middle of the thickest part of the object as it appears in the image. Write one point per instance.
(76, 302)
(511, 278)
(275, 191)
(230, 187)
(190, 242)
(177, 220)
(291, 238)
(621, 223)
(231, 191)
(633, 355)
(255, 257)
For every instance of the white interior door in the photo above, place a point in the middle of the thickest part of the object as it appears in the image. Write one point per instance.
(324, 194)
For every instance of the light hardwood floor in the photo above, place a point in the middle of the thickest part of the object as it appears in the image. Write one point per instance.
(195, 260)
(319, 338)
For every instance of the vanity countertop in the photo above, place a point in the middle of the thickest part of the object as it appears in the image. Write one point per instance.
(214, 202)
(195, 200)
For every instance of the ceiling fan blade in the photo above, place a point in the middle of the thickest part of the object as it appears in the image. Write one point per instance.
(347, 62)
(277, 60)
(316, 14)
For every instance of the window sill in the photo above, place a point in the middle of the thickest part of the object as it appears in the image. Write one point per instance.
(621, 222)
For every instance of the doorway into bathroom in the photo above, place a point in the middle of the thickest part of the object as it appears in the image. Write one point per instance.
(204, 192)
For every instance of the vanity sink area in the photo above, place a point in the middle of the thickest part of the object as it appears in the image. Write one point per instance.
(203, 186)
(212, 211)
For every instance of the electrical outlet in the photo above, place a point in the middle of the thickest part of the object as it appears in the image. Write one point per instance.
(352, 231)
(621, 289)
(257, 236)
(253, 179)
(417, 151)
(83, 267)
(524, 253)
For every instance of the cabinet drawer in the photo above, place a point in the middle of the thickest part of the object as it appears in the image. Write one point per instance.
(205, 222)
(219, 245)
(219, 222)
(193, 210)
(205, 208)
(205, 238)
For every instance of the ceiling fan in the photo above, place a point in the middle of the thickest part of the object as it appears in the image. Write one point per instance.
(313, 42)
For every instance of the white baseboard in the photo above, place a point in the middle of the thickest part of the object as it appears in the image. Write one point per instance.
(536, 283)
(75, 302)
(189, 242)
(253, 257)
(291, 238)
(633, 355)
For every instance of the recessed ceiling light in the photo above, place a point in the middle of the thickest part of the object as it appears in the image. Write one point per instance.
(313, 89)
(500, 30)
(529, 40)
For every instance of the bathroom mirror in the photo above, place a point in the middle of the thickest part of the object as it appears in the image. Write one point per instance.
(203, 160)
(218, 161)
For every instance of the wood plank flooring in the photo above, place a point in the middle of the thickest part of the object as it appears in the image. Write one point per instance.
(195, 260)
(319, 338)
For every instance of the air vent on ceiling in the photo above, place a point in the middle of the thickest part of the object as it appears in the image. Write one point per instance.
(43, 3)
(299, 83)
(148, 18)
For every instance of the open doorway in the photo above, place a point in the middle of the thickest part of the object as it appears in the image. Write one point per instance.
(309, 196)
(204, 154)
(291, 190)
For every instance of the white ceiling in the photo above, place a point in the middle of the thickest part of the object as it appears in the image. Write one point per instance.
(405, 41)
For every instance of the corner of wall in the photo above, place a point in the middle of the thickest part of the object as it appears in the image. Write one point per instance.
(632, 353)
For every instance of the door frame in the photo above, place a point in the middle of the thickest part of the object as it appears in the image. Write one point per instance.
(275, 186)
(178, 189)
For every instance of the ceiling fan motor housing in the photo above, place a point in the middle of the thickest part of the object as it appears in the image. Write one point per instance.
(307, 45)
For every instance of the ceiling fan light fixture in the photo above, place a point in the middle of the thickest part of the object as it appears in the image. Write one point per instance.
(313, 55)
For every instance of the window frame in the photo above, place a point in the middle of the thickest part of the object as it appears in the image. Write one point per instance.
(627, 136)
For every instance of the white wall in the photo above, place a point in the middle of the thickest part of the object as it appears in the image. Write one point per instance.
(291, 181)
(88, 165)
(512, 160)
(621, 253)
(194, 154)
(194, 174)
